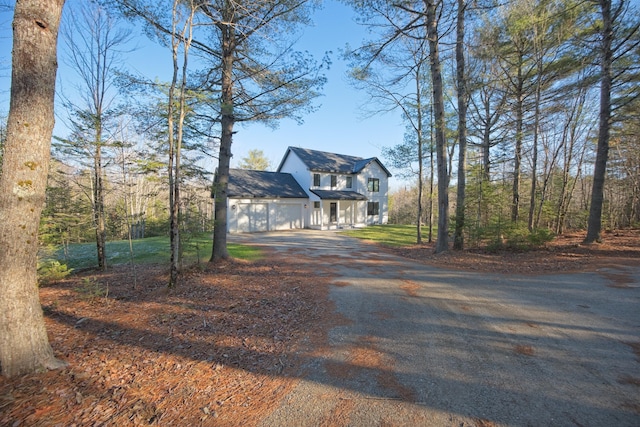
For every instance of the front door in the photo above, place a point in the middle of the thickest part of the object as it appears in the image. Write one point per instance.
(333, 212)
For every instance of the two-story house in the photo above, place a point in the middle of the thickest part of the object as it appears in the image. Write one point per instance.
(310, 189)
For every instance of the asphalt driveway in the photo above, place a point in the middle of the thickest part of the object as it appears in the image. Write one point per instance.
(428, 347)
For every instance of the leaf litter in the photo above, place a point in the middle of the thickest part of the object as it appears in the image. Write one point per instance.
(228, 343)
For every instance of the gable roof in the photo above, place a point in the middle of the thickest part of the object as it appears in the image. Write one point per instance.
(258, 184)
(322, 161)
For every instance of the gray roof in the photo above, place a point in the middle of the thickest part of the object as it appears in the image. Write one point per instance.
(321, 161)
(338, 195)
(259, 184)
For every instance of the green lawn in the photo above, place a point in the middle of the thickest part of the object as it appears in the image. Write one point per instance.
(149, 250)
(388, 234)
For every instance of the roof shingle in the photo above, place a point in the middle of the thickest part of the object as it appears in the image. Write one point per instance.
(322, 161)
(263, 184)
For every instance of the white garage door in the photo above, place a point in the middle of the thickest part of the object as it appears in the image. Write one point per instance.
(252, 217)
(288, 217)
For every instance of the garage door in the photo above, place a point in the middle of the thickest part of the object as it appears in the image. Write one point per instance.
(288, 217)
(252, 217)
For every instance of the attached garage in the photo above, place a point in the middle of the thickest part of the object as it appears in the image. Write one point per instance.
(251, 217)
(288, 216)
(264, 201)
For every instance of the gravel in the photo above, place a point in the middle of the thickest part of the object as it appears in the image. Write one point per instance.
(421, 346)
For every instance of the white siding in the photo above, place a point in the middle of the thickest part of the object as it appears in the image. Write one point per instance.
(254, 215)
(251, 217)
(288, 216)
(373, 170)
(298, 169)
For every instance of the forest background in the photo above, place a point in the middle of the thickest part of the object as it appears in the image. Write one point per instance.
(530, 87)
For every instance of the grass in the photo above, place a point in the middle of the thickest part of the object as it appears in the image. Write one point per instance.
(152, 250)
(388, 234)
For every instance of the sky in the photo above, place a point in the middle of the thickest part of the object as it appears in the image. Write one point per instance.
(337, 126)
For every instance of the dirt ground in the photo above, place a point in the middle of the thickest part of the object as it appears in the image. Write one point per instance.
(225, 346)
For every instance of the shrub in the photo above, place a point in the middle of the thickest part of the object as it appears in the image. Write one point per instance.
(91, 289)
(520, 239)
(540, 236)
(51, 271)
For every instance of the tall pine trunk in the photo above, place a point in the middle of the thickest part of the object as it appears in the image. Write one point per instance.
(420, 159)
(594, 223)
(461, 78)
(24, 345)
(221, 184)
(517, 161)
(442, 242)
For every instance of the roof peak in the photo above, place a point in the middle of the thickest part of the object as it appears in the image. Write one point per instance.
(324, 161)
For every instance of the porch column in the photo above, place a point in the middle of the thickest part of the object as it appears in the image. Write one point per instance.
(353, 208)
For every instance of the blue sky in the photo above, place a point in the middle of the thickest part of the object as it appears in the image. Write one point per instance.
(338, 126)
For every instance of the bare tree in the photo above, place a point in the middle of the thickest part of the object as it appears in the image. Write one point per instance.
(93, 44)
(24, 345)
(181, 39)
(393, 72)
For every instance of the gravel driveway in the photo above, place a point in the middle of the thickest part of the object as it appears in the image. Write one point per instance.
(427, 347)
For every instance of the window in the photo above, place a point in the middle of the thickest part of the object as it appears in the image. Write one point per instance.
(349, 182)
(334, 181)
(373, 208)
(316, 180)
(316, 205)
(373, 185)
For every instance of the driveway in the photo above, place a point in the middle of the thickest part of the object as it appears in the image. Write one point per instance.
(420, 346)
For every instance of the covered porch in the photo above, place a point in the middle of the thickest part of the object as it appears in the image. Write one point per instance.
(337, 210)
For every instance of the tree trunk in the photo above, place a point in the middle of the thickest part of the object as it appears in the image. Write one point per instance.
(534, 156)
(431, 178)
(517, 162)
(24, 345)
(224, 158)
(174, 231)
(420, 158)
(458, 238)
(594, 223)
(442, 242)
(98, 199)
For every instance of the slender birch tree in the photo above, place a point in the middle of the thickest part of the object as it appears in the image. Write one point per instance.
(93, 46)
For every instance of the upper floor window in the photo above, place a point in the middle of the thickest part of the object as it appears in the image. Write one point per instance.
(316, 180)
(373, 185)
(349, 182)
(334, 181)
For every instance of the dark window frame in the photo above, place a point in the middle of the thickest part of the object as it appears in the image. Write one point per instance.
(334, 181)
(316, 205)
(373, 208)
(316, 180)
(349, 182)
(373, 185)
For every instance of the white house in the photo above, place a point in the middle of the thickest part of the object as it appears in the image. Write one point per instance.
(310, 189)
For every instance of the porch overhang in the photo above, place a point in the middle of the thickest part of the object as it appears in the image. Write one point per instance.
(338, 195)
